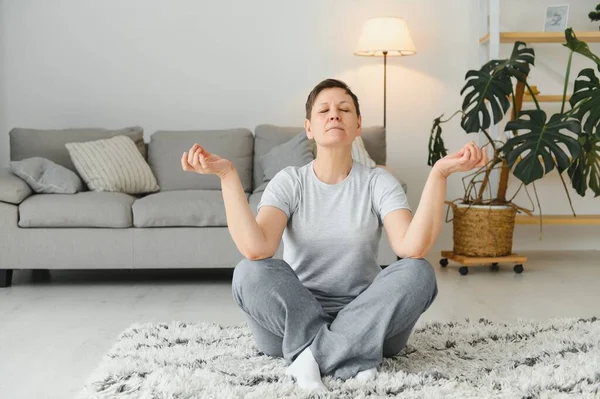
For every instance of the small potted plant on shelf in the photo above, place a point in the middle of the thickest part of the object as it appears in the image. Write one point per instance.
(534, 145)
(595, 15)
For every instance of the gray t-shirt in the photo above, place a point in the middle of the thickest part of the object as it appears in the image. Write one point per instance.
(333, 230)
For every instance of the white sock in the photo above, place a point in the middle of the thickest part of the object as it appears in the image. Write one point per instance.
(305, 370)
(366, 375)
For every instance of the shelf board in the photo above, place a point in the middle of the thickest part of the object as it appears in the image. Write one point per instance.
(550, 98)
(558, 219)
(542, 37)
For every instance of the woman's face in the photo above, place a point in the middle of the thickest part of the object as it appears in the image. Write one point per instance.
(333, 120)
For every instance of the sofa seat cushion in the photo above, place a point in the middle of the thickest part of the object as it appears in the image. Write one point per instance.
(197, 208)
(85, 209)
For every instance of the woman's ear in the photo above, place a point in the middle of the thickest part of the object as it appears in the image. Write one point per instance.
(359, 127)
(308, 129)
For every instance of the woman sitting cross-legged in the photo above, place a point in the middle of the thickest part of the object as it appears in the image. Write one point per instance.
(327, 307)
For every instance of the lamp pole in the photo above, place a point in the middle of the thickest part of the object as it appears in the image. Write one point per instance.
(383, 36)
(385, 53)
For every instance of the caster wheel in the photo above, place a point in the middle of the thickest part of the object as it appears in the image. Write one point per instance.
(518, 268)
(444, 262)
(495, 267)
(463, 270)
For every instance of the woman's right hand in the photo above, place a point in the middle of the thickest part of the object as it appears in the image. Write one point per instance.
(201, 161)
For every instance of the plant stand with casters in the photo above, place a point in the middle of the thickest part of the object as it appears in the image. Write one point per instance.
(466, 261)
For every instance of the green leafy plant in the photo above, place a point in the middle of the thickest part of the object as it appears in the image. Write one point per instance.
(535, 144)
(595, 15)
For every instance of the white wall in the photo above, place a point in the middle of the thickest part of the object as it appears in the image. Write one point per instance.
(200, 64)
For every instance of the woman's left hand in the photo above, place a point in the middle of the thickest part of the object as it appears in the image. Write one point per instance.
(467, 158)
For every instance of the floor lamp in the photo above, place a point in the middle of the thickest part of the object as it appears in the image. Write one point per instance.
(385, 36)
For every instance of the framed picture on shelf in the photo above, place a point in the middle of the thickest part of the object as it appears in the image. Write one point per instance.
(556, 18)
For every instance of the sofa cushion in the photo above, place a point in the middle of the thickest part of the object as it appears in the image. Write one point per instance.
(113, 165)
(50, 144)
(199, 208)
(86, 209)
(360, 153)
(166, 148)
(295, 152)
(12, 188)
(47, 177)
(374, 138)
(268, 136)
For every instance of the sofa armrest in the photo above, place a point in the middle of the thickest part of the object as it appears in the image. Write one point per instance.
(402, 183)
(12, 188)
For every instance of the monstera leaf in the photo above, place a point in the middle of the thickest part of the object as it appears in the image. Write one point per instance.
(437, 149)
(518, 65)
(482, 86)
(585, 170)
(541, 141)
(492, 84)
(585, 101)
(579, 47)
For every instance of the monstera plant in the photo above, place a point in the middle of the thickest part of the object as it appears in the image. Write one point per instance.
(535, 143)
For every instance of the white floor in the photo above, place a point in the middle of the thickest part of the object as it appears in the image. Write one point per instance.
(54, 332)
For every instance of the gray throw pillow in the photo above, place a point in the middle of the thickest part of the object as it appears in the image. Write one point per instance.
(47, 177)
(295, 152)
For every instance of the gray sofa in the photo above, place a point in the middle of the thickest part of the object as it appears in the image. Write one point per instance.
(181, 226)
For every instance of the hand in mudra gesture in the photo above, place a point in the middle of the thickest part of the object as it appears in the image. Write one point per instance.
(467, 158)
(201, 161)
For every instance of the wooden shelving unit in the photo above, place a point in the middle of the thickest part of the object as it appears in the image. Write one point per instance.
(491, 42)
(559, 219)
(549, 98)
(549, 37)
(542, 37)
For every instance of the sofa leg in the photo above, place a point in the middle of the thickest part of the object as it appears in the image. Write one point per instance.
(5, 277)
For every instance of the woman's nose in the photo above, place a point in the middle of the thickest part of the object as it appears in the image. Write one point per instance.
(334, 116)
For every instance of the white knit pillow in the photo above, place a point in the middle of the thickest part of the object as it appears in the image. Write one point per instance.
(113, 164)
(360, 154)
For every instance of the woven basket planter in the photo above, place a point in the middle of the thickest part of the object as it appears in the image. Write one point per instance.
(483, 230)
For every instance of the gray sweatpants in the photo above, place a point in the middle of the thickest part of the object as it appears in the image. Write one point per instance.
(285, 317)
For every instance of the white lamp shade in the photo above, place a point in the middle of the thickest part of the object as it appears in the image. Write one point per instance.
(385, 34)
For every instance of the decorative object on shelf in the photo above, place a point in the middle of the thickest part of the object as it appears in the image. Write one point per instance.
(535, 90)
(556, 18)
(595, 15)
(385, 36)
(536, 144)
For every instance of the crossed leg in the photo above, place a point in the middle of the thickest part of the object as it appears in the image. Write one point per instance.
(286, 319)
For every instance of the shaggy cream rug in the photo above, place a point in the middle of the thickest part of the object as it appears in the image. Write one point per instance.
(471, 359)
